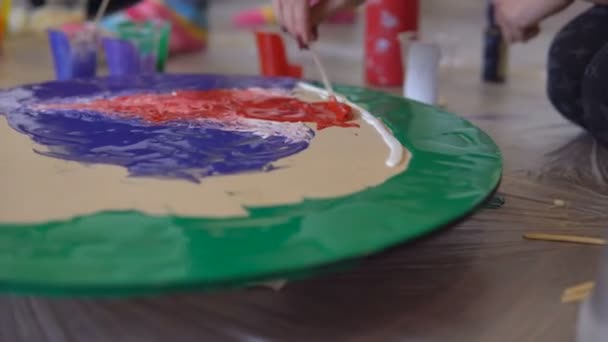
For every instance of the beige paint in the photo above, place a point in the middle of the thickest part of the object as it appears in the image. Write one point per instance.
(35, 188)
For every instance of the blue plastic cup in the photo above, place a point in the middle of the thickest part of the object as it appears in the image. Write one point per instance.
(73, 57)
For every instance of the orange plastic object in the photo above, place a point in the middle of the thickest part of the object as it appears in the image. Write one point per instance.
(5, 6)
(273, 58)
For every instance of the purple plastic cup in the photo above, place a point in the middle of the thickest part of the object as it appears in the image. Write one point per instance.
(135, 49)
(73, 57)
(124, 58)
(121, 57)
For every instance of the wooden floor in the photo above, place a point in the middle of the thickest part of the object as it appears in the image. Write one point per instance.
(475, 281)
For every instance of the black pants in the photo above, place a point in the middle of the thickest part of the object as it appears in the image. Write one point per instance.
(113, 6)
(578, 72)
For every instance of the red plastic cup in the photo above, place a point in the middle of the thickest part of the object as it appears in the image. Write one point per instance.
(273, 57)
(383, 64)
(385, 19)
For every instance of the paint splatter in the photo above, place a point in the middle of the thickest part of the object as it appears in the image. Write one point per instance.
(174, 150)
(220, 104)
(212, 125)
(153, 131)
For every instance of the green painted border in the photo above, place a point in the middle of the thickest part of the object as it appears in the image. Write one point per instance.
(454, 168)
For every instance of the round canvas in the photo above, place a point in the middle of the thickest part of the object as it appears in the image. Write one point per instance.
(103, 195)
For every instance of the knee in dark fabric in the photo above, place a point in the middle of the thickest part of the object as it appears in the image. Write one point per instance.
(595, 95)
(563, 83)
(571, 52)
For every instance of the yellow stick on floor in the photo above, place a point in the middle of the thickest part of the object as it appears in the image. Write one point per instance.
(566, 238)
(584, 287)
(578, 292)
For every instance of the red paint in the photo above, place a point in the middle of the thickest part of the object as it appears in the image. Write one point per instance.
(273, 58)
(222, 104)
(385, 19)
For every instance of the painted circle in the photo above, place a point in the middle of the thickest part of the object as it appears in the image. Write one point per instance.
(455, 167)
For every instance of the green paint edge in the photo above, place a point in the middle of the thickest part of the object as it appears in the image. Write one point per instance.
(455, 167)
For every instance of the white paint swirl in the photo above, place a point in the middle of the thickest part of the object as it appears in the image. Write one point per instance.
(396, 150)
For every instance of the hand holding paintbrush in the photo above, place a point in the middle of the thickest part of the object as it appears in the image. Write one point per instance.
(301, 18)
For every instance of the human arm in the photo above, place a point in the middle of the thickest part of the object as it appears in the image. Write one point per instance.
(301, 17)
(520, 19)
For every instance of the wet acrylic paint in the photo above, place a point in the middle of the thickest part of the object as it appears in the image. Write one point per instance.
(215, 125)
(220, 104)
(176, 150)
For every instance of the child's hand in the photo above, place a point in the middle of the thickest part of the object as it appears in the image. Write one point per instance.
(519, 19)
(301, 17)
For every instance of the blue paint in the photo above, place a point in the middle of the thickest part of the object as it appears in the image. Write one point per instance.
(184, 151)
(160, 83)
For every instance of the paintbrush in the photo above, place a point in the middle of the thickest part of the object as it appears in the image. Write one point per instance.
(90, 33)
(100, 12)
(324, 78)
